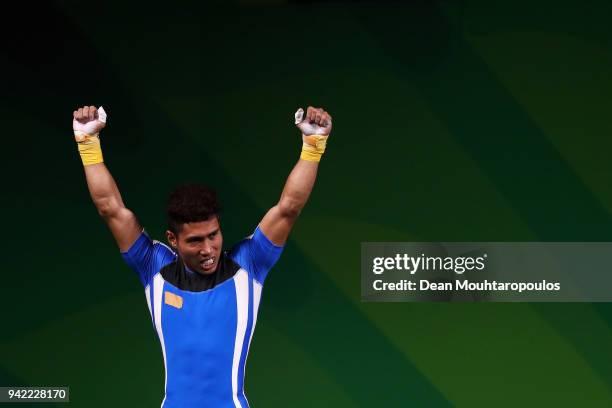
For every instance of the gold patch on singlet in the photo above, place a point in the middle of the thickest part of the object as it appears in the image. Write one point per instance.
(173, 300)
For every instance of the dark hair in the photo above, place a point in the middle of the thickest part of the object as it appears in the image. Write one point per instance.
(191, 203)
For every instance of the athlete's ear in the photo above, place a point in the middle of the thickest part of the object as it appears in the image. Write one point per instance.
(172, 239)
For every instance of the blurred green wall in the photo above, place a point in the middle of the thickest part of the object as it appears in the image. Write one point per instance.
(453, 121)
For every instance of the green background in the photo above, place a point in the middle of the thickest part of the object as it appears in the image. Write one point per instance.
(453, 121)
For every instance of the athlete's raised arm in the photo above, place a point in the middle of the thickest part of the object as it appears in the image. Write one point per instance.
(87, 123)
(315, 127)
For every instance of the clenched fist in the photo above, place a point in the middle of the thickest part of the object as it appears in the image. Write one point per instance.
(88, 121)
(316, 122)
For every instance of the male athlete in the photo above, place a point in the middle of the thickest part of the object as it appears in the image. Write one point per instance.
(203, 300)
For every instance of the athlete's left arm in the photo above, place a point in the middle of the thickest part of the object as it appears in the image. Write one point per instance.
(278, 221)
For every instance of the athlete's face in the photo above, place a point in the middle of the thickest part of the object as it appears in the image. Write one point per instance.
(199, 244)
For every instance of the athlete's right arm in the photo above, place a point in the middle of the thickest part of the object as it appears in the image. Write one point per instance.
(104, 192)
(102, 187)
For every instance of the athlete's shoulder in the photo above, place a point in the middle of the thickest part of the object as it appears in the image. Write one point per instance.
(256, 253)
(146, 257)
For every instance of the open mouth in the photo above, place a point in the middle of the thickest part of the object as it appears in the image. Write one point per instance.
(208, 264)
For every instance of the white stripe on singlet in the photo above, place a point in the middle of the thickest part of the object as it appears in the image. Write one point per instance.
(158, 291)
(241, 281)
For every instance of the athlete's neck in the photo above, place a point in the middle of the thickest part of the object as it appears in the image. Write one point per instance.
(188, 269)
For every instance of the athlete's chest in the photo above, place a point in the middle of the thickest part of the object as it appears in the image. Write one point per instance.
(199, 309)
(221, 309)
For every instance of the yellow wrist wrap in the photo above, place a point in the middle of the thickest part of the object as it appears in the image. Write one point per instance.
(313, 147)
(89, 149)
